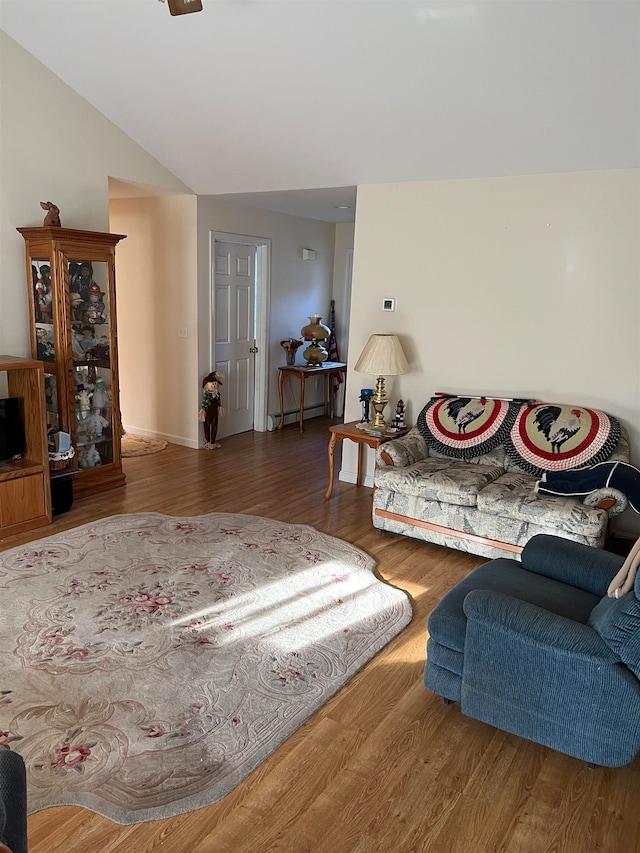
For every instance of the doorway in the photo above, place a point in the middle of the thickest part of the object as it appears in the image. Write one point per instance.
(240, 267)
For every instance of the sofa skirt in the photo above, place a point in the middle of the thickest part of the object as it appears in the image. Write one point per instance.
(474, 531)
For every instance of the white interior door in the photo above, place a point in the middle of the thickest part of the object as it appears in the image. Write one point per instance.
(234, 317)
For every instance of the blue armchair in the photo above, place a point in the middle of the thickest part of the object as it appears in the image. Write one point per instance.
(13, 802)
(537, 649)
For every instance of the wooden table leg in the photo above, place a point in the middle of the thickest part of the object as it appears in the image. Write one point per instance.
(302, 381)
(332, 443)
(360, 453)
(281, 396)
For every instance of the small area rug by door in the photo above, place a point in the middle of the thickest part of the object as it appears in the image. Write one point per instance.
(140, 445)
(150, 663)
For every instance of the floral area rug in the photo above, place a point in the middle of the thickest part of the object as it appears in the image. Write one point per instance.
(139, 445)
(150, 663)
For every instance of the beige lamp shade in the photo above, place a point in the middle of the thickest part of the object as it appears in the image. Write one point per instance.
(383, 356)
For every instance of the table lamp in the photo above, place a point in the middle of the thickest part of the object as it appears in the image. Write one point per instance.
(382, 356)
(316, 332)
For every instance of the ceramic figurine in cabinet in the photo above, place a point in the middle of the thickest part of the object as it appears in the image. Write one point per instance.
(100, 394)
(86, 340)
(94, 308)
(82, 280)
(83, 397)
(76, 302)
(43, 293)
(88, 457)
(100, 352)
(44, 347)
(95, 424)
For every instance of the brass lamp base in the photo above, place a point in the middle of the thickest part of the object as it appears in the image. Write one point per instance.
(379, 401)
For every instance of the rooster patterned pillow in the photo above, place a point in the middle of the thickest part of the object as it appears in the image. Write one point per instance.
(466, 427)
(558, 437)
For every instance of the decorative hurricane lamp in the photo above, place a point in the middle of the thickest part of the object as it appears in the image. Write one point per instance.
(382, 356)
(316, 332)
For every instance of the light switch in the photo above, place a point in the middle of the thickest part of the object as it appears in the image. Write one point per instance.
(183, 332)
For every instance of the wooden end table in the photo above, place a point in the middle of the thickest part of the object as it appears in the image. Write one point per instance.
(303, 373)
(341, 431)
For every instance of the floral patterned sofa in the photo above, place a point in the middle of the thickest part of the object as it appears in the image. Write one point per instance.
(472, 474)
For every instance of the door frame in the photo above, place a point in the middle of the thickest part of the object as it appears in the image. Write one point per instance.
(263, 301)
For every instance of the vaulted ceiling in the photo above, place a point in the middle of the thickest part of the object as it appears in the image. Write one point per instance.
(267, 100)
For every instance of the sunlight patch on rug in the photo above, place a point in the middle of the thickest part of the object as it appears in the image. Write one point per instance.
(150, 663)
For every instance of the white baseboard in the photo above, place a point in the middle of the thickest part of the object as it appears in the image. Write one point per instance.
(294, 416)
(352, 477)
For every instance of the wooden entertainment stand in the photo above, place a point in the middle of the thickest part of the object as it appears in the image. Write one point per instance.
(25, 492)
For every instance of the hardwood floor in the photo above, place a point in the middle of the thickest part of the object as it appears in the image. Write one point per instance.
(384, 766)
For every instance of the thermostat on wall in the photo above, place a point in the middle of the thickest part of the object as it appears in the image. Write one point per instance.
(388, 304)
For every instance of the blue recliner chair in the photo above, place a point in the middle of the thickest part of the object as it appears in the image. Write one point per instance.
(13, 802)
(538, 649)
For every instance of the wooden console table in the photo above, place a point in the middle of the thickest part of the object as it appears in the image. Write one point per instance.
(303, 373)
(360, 437)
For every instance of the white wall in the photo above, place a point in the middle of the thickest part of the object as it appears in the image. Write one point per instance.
(55, 147)
(523, 286)
(156, 296)
(298, 288)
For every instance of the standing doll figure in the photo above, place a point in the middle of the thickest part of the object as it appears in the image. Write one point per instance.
(43, 293)
(82, 280)
(211, 408)
(94, 308)
(99, 400)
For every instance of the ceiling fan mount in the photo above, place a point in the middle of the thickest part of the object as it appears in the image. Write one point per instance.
(183, 7)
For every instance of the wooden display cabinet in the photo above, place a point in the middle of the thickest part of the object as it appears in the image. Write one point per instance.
(25, 497)
(72, 295)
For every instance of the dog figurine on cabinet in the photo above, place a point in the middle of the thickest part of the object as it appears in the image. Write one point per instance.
(52, 217)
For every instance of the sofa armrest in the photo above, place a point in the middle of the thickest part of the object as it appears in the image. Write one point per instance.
(402, 452)
(571, 562)
(611, 500)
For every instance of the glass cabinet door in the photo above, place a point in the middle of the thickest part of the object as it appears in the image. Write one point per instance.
(45, 336)
(90, 313)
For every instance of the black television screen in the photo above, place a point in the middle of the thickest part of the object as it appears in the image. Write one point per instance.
(11, 429)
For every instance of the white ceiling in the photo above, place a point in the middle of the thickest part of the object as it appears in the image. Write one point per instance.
(267, 100)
